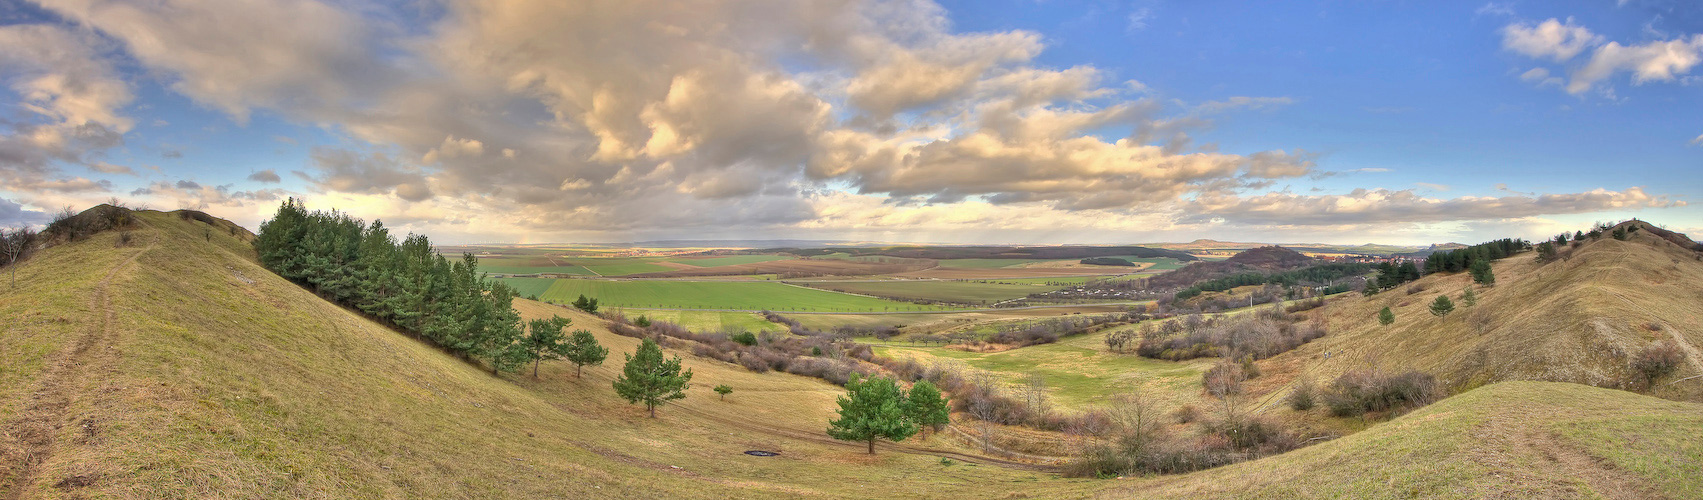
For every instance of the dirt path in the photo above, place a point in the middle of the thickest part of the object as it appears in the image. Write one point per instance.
(37, 426)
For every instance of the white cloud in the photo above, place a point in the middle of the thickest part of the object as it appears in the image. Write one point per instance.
(1658, 60)
(1493, 8)
(1138, 19)
(1550, 39)
(1698, 141)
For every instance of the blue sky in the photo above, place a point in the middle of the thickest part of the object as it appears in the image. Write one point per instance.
(998, 121)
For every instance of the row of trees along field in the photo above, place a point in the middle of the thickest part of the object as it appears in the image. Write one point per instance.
(1323, 273)
(412, 287)
(1475, 258)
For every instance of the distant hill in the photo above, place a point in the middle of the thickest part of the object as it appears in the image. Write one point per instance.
(1262, 259)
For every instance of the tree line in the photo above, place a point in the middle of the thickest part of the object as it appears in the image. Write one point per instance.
(1322, 273)
(1454, 261)
(410, 286)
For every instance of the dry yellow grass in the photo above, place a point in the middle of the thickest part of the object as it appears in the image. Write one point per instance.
(178, 368)
(1580, 319)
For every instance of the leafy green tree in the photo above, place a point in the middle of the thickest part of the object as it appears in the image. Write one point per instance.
(1442, 306)
(584, 350)
(544, 341)
(723, 390)
(926, 407)
(585, 304)
(870, 410)
(1468, 298)
(642, 322)
(651, 380)
(1386, 316)
(1482, 274)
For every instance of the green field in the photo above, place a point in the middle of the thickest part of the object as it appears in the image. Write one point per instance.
(754, 296)
(1078, 370)
(618, 266)
(708, 321)
(731, 260)
(985, 263)
(529, 265)
(951, 291)
(529, 287)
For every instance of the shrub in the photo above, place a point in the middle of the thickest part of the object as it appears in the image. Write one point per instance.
(744, 338)
(1301, 399)
(1658, 360)
(1186, 414)
(1223, 378)
(1362, 391)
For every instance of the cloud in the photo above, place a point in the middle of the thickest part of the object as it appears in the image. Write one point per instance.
(171, 154)
(72, 99)
(1653, 61)
(1244, 102)
(679, 115)
(1363, 206)
(1433, 187)
(1541, 78)
(108, 168)
(1657, 60)
(266, 176)
(1549, 39)
(234, 55)
(349, 171)
(14, 214)
(1368, 170)
(1496, 9)
(194, 195)
(1138, 19)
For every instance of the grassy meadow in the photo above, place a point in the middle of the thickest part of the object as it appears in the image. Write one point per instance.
(741, 295)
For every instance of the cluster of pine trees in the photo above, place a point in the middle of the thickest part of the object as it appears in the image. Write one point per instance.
(410, 286)
(1454, 261)
(1322, 273)
(878, 408)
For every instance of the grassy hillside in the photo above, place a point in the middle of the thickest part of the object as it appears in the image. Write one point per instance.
(175, 367)
(1581, 319)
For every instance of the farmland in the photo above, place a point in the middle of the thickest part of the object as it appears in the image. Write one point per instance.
(984, 292)
(738, 295)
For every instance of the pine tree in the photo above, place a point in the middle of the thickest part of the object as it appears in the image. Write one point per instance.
(1386, 316)
(724, 390)
(650, 379)
(927, 408)
(1468, 298)
(583, 350)
(585, 304)
(1482, 274)
(871, 410)
(544, 341)
(1442, 306)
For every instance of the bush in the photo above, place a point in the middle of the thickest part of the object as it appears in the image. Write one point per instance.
(1364, 391)
(744, 338)
(1301, 399)
(1186, 414)
(1658, 360)
(1223, 378)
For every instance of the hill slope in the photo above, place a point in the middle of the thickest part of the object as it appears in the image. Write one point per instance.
(1581, 318)
(176, 367)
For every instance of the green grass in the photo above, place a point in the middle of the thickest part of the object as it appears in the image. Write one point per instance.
(732, 260)
(1079, 372)
(985, 263)
(709, 321)
(529, 287)
(742, 295)
(951, 291)
(620, 266)
(529, 265)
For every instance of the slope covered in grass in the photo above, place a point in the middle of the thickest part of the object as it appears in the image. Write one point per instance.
(176, 367)
(1581, 318)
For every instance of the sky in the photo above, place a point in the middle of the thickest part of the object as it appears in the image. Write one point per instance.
(958, 121)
